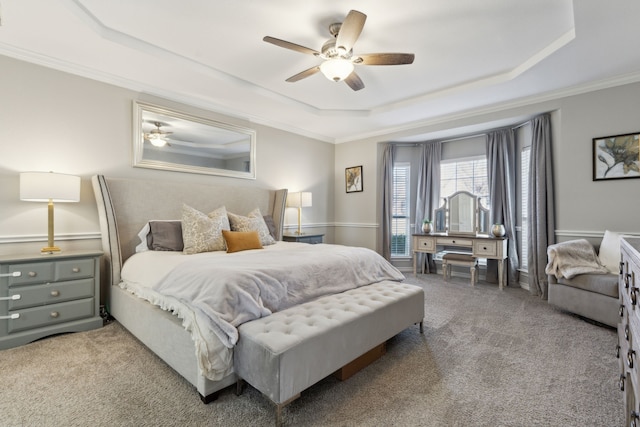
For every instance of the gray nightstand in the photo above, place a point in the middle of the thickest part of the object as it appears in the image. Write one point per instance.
(42, 295)
(303, 238)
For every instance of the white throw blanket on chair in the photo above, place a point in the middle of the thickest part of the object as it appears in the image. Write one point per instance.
(568, 259)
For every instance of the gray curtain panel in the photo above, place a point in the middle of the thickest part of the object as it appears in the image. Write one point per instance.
(387, 198)
(428, 191)
(501, 171)
(541, 212)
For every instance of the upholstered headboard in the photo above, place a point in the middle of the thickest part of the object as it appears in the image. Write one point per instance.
(125, 206)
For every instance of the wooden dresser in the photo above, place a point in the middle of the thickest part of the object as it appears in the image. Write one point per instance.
(628, 348)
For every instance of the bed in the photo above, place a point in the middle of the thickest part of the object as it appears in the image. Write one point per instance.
(125, 207)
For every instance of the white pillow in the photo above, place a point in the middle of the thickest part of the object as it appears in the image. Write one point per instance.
(609, 252)
(203, 233)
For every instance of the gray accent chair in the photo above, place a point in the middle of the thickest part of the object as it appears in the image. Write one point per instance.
(593, 296)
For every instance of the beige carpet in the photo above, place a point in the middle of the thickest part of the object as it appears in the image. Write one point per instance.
(487, 358)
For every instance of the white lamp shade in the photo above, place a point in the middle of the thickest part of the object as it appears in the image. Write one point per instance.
(45, 186)
(336, 69)
(300, 199)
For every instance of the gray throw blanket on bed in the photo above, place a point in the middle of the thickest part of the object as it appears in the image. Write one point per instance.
(568, 259)
(243, 286)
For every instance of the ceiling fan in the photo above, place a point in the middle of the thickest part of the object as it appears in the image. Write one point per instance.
(157, 136)
(337, 53)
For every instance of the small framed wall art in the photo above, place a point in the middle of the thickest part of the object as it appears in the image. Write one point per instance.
(353, 179)
(616, 157)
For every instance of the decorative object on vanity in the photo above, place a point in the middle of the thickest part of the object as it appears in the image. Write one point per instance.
(42, 296)
(427, 226)
(171, 140)
(337, 53)
(616, 157)
(461, 213)
(299, 200)
(49, 187)
(353, 179)
(498, 230)
(303, 238)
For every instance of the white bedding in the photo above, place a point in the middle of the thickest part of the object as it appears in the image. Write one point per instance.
(159, 278)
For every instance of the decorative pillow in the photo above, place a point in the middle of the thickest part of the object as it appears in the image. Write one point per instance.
(165, 236)
(609, 252)
(203, 233)
(241, 240)
(268, 219)
(252, 222)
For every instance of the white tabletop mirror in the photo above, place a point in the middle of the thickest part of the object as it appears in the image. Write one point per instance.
(462, 213)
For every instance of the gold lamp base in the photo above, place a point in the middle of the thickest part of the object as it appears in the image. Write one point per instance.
(50, 250)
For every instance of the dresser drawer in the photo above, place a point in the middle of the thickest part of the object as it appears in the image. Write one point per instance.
(427, 244)
(51, 293)
(37, 272)
(50, 314)
(485, 248)
(74, 269)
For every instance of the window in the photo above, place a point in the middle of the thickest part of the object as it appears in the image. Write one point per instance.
(465, 175)
(401, 222)
(524, 194)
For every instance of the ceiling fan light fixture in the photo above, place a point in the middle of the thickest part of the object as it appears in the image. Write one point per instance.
(157, 141)
(336, 69)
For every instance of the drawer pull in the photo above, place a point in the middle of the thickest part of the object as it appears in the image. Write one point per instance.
(621, 311)
(621, 382)
(621, 267)
(630, 354)
(32, 274)
(55, 314)
(76, 269)
(14, 274)
(55, 293)
(634, 418)
(11, 298)
(626, 332)
(626, 280)
(484, 248)
(10, 317)
(634, 296)
(618, 351)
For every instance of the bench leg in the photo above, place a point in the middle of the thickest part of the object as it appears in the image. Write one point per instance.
(240, 385)
(422, 326)
(279, 407)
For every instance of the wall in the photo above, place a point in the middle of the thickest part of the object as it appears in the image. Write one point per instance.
(583, 208)
(56, 121)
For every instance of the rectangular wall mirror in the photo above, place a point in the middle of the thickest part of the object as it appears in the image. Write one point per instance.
(172, 140)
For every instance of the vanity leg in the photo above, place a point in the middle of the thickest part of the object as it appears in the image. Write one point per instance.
(415, 254)
(500, 273)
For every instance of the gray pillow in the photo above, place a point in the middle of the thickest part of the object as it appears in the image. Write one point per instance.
(165, 236)
(268, 219)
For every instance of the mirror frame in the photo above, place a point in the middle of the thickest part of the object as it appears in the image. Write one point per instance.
(441, 217)
(139, 109)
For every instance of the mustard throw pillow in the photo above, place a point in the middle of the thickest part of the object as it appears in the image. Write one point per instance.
(241, 240)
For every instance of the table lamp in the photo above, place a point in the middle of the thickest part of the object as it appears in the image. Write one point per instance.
(301, 199)
(49, 187)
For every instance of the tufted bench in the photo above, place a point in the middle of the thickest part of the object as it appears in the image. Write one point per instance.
(284, 353)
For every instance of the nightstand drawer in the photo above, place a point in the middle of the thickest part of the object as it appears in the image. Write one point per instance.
(50, 314)
(74, 269)
(37, 272)
(425, 244)
(51, 293)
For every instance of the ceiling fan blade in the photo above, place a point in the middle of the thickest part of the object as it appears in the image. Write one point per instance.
(354, 81)
(385, 58)
(350, 30)
(289, 45)
(304, 74)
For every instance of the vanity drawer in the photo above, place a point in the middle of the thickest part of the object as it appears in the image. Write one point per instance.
(457, 241)
(37, 272)
(74, 269)
(51, 293)
(485, 248)
(50, 314)
(427, 244)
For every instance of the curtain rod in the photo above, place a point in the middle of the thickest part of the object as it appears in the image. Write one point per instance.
(460, 138)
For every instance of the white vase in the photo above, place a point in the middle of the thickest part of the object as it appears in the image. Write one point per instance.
(498, 230)
(426, 227)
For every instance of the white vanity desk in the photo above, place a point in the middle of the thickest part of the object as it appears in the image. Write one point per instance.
(482, 246)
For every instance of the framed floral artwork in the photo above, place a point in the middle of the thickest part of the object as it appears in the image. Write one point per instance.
(353, 179)
(616, 157)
